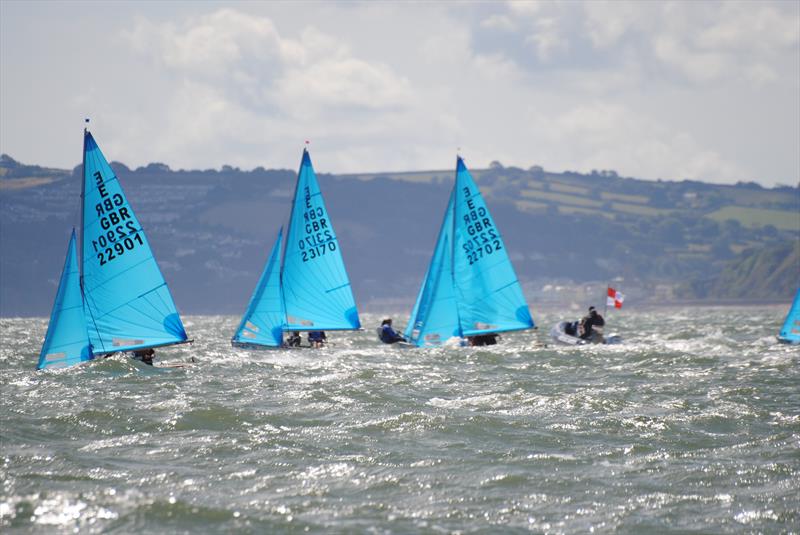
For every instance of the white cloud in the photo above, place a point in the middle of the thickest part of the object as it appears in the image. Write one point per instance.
(607, 22)
(697, 66)
(525, 7)
(747, 26)
(244, 55)
(599, 135)
(498, 22)
(705, 42)
(547, 38)
(670, 89)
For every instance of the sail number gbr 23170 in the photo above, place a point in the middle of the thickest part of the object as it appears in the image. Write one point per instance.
(316, 239)
(118, 232)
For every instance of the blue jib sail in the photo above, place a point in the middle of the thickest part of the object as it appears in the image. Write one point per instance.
(434, 319)
(316, 289)
(67, 341)
(471, 287)
(262, 323)
(490, 299)
(790, 332)
(127, 303)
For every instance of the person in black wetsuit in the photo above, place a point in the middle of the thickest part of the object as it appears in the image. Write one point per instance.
(388, 334)
(586, 329)
(317, 338)
(145, 355)
(488, 339)
(293, 340)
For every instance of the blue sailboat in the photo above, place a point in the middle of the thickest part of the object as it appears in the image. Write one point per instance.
(306, 289)
(124, 301)
(470, 288)
(790, 332)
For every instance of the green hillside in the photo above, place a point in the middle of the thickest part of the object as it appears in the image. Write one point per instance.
(767, 272)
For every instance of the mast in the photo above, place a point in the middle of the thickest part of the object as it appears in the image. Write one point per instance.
(83, 201)
(289, 231)
(453, 246)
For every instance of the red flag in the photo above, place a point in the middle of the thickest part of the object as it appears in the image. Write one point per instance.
(614, 298)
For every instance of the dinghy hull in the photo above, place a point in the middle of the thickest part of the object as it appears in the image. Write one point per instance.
(559, 335)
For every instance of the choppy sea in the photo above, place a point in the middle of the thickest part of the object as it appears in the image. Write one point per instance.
(691, 426)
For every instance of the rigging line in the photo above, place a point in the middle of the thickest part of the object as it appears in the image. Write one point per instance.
(90, 304)
(130, 301)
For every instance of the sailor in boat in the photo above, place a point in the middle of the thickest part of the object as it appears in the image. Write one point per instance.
(317, 338)
(145, 355)
(293, 340)
(488, 339)
(591, 327)
(388, 335)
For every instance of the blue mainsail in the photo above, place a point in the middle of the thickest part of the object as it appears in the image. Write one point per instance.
(434, 319)
(470, 287)
(489, 296)
(262, 323)
(316, 289)
(127, 303)
(790, 332)
(67, 341)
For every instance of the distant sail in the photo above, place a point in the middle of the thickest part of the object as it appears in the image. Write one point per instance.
(67, 341)
(470, 287)
(490, 299)
(316, 288)
(128, 304)
(434, 319)
(262, 323)
(790, 332)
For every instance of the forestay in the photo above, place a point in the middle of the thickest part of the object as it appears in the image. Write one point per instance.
(316, 288)
(790, 332)
(262, 323)
(67, 341)
(127, 303)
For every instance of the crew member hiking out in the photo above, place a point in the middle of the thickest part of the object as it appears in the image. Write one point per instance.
(293, 340)
(317, 338)
(388, 335)
(145, 355)
(488, 339)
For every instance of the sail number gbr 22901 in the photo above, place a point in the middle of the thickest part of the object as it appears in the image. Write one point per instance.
(118, 232)
(482, 239)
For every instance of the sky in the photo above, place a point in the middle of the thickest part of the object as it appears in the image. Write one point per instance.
(673, 90)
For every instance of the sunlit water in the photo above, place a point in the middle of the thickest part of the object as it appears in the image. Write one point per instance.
(692, 425)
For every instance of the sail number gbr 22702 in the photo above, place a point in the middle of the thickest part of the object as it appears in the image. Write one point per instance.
(118, 232)
(482, 238)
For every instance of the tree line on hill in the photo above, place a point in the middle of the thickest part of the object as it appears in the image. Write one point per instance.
(211, 230)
